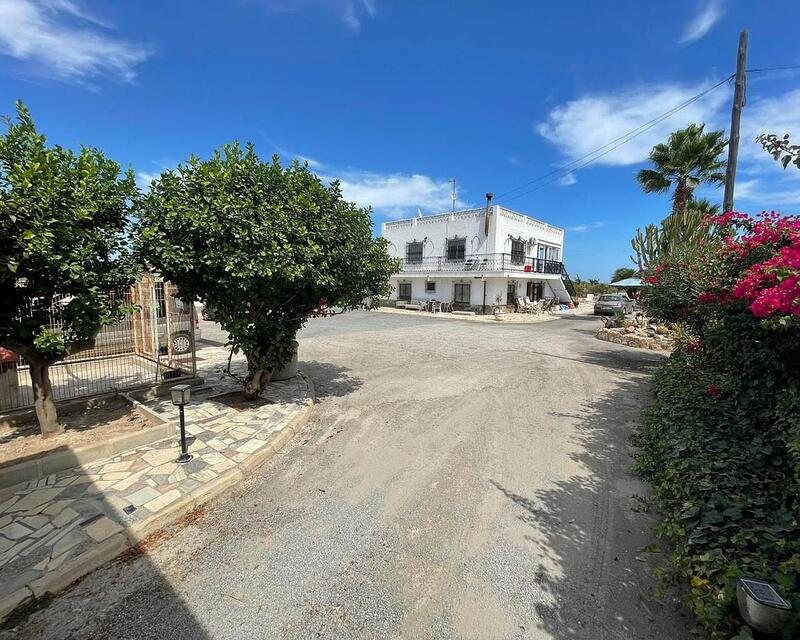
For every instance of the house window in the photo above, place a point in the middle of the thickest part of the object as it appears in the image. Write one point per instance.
(552, 253)
(461, 296)
(456, 248)
(430, 287)
(414, 253)
(404, 291)
(517, 251)
(511, 293)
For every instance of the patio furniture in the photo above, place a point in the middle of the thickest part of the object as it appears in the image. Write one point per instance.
(416, 306)
(532, 306)
(538, 307)
(434, 306)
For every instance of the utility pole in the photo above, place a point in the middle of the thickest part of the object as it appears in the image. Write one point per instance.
(736, 115)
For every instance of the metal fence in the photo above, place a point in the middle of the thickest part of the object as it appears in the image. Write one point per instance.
(154, 343)
(481, 262)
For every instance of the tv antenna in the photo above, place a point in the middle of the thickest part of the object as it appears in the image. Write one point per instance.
(453, 196)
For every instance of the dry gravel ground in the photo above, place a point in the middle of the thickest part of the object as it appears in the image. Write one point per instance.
(457, 480)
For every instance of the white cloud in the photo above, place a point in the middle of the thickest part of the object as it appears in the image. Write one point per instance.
(568, 179)
(762, 180)
(702, 23)
(580, 126)
(352, 13)
(777, 114)
(583, 228)
(390, 194)
(58, 39)
(769, 195)
(144, 178)
(394, 194)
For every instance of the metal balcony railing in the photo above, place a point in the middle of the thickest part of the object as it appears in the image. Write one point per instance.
(486, 262)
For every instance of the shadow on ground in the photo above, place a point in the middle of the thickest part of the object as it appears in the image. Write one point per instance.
(80, 512)
(619, 359)
(595, 570)
(330, 379)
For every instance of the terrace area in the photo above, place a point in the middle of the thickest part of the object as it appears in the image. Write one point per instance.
(487, 262)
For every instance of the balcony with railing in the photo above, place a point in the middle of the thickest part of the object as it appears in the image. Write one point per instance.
(481, 263)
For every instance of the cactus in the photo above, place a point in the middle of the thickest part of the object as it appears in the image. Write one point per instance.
(676, 233)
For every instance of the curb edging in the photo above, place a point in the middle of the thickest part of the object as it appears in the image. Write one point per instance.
(93, 558)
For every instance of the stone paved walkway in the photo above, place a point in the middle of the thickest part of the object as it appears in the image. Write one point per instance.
(49, 523)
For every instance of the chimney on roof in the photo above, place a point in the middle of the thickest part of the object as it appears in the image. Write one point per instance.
(489, 197)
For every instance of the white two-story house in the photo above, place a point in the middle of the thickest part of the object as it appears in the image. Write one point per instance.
(477, 257)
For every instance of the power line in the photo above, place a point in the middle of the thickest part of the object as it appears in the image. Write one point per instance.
(607, 148)
(764, 69)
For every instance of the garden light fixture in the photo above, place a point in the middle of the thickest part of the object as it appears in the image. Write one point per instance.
(761, 606)
(181, 393)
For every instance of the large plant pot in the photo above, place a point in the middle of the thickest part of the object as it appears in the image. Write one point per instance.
(289, 370)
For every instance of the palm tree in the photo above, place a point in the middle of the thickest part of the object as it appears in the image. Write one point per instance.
(689, 158)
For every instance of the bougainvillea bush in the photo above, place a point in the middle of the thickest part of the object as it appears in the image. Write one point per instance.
(721, 443)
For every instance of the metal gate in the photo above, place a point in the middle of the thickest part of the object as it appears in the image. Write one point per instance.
(154, 343)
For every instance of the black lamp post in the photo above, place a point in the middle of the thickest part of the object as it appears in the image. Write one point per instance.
(181, 393)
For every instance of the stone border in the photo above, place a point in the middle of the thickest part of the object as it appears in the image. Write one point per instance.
(63, 459)
(634, 341)
(99, 554)
(13, 417)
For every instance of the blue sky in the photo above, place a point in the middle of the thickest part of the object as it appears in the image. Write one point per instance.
(395, 98)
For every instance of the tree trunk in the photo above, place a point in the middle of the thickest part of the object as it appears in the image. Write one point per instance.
(259, 378)
(43, 399)
(680, 200)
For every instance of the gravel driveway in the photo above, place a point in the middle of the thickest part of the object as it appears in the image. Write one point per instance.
(457, 480)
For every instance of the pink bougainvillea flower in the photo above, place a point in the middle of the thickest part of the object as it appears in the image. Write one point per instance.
(693, 346)
(714, 391)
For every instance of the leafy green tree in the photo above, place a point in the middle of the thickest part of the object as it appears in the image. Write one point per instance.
(622, 273)
(64, 253)
(689, 158)
(265, 246)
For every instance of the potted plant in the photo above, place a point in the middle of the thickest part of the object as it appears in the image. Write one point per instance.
(499, 309)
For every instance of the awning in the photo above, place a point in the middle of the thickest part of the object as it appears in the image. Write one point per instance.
(628, 283)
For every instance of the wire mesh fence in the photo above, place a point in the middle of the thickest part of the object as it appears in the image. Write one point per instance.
(153, 343)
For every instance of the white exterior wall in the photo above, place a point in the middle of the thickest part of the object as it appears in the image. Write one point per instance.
(444, 288)
(504, 224)
(534, 232)
(433, 232)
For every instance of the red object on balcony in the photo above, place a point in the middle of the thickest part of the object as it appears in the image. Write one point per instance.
(528, 268)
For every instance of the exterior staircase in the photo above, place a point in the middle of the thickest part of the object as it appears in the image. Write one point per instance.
(564, 288)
